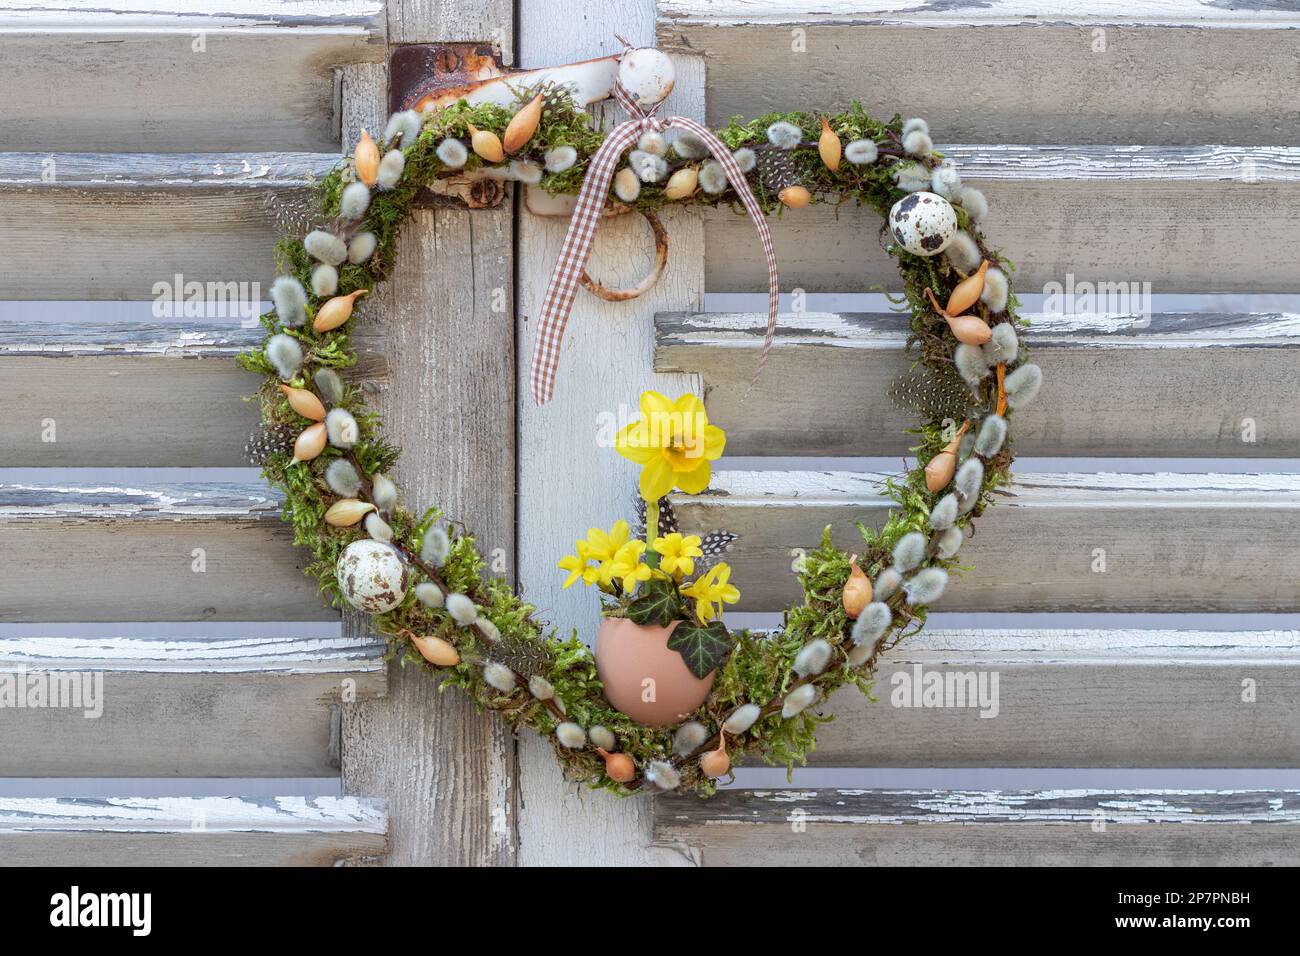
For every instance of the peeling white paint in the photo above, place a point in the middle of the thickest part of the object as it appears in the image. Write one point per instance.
(164, 171)
(286, 656)
(106, 502)
(851, 489)
(947, 13)
(179, 815)
(738, 808)
(247, 17)
(190, 339)
(882, 331)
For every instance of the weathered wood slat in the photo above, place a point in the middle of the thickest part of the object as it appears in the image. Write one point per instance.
(1073, 698)
(82, 552)
(974, 12)
(1172, 217)
(110, 245)
(166, 171)
(986, 828)
(455, 21)
(171, 338)
(359, 16)
(1169, 542)
(197, 831)
(831, 374)
(140, 394)
(185, 707)
(124, 226)
(118, 396)
(155, 75)
(452, 408)
(1201, 164)
(1012, 72)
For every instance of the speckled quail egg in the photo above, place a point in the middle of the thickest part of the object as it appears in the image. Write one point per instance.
(372, 576)
(923, 223)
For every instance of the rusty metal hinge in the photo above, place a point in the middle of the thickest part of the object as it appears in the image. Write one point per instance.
(421, 72)
(432, 75)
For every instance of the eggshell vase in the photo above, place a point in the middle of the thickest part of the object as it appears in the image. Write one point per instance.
(628, 655)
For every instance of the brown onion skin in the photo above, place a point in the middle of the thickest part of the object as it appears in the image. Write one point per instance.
(366, 159)
(967, 292)
(716, 763)
(618, 767)
(795, 197)
(857, 592)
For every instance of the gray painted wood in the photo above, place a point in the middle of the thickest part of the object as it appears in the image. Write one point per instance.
(161, 76)
(1175, 218)
(191, 831)
(83, 551)
(1075, 698)
(181, 707)
(1126, 163)
(825, 389)
(168, 337)
(1081, 74)
(359, 16)
(569, 481)
(166, 171)
(451, 21)
(1171, 542)
(447, 772)
(947, 13)
(155, 393)
(114, 240)
(986, 828)
(120, 395)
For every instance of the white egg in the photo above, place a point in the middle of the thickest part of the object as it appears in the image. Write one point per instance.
(372, 576)
(923, 223)
(647, 75)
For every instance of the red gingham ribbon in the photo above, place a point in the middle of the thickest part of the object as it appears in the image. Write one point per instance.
(586, 218)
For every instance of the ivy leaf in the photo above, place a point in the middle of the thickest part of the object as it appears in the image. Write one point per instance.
(702, 646)
(659, 604)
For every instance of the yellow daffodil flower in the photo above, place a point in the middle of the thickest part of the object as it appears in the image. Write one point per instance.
(677, 553)
(711, 591)
(673, 443)
(628, 566)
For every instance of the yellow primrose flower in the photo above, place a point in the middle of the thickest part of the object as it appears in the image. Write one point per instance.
(602, 546)
(595, 554)
(712, 589)
(605, 575)
(673, 443)
(579, 567)
(677, 553)
(628, 566)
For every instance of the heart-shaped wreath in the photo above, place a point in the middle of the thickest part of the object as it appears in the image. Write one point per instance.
(423, 578)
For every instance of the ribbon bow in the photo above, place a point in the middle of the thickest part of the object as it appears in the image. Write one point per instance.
(586, 218)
